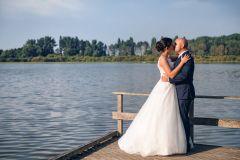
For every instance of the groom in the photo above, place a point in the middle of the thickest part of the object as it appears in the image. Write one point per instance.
(184, 85)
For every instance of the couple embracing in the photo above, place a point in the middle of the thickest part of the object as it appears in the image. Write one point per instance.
(162, 125)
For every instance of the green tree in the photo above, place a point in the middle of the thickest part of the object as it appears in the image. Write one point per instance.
(153, 43)
(88, 49)
(69, 45)
(30, 49)
(1, 51)
(11, 53)
(130, 45)
(94, 48)
(82, 45)
(46, 45)
(101, 49)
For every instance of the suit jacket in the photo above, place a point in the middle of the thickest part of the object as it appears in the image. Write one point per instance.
(184, 79)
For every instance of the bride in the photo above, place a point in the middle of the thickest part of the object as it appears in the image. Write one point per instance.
(157, 128)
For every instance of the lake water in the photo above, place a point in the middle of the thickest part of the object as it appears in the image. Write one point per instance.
(46, 109)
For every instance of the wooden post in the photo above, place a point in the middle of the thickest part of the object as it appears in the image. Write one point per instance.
(191, 116)
(120, 109)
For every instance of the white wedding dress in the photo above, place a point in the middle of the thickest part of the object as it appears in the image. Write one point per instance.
(157, 128)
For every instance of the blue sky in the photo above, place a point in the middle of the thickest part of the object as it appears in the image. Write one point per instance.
(107, 20)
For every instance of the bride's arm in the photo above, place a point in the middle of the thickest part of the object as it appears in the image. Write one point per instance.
(171, 74)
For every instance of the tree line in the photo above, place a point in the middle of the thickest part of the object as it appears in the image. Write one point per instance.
(222, 45)
(72, 46)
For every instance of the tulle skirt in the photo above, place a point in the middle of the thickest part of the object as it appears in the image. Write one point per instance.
(157, 128)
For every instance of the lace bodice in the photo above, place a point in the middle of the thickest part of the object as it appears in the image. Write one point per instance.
(162, 72)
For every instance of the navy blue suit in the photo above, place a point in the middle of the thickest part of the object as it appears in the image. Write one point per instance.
(185, 92)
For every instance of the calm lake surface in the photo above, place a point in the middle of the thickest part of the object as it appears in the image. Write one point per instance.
(46, 109)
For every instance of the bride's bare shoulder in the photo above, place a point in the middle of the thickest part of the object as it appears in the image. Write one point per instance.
(161, 61)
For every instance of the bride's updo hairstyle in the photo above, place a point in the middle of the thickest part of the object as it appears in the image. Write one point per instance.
(163, 43)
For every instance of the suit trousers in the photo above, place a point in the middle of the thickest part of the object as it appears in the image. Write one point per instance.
(184, 106)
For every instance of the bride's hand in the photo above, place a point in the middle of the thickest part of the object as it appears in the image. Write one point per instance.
(185, 58)
(165, 78)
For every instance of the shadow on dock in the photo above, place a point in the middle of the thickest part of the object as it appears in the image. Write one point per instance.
(202, 148)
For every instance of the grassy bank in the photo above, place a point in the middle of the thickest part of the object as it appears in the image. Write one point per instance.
(135, 59)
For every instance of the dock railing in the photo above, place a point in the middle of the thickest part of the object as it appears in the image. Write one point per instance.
(227, 123)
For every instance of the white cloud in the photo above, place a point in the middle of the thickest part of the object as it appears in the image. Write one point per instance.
(40, 7)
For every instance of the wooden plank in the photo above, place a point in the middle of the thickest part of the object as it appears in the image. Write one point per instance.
(197, 96)
(219, 97)
(131, 94)
(227, 123)
(85, 147)
(120, 109)
(123, 115)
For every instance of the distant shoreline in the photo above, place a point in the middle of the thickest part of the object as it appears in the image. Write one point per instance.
(225, 59)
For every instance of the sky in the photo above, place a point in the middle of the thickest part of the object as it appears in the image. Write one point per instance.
(108, 20)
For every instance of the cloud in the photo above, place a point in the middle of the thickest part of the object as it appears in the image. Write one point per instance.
(40, 7)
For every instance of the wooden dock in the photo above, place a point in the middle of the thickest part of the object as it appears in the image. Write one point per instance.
(106, 147)
(201, 152)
